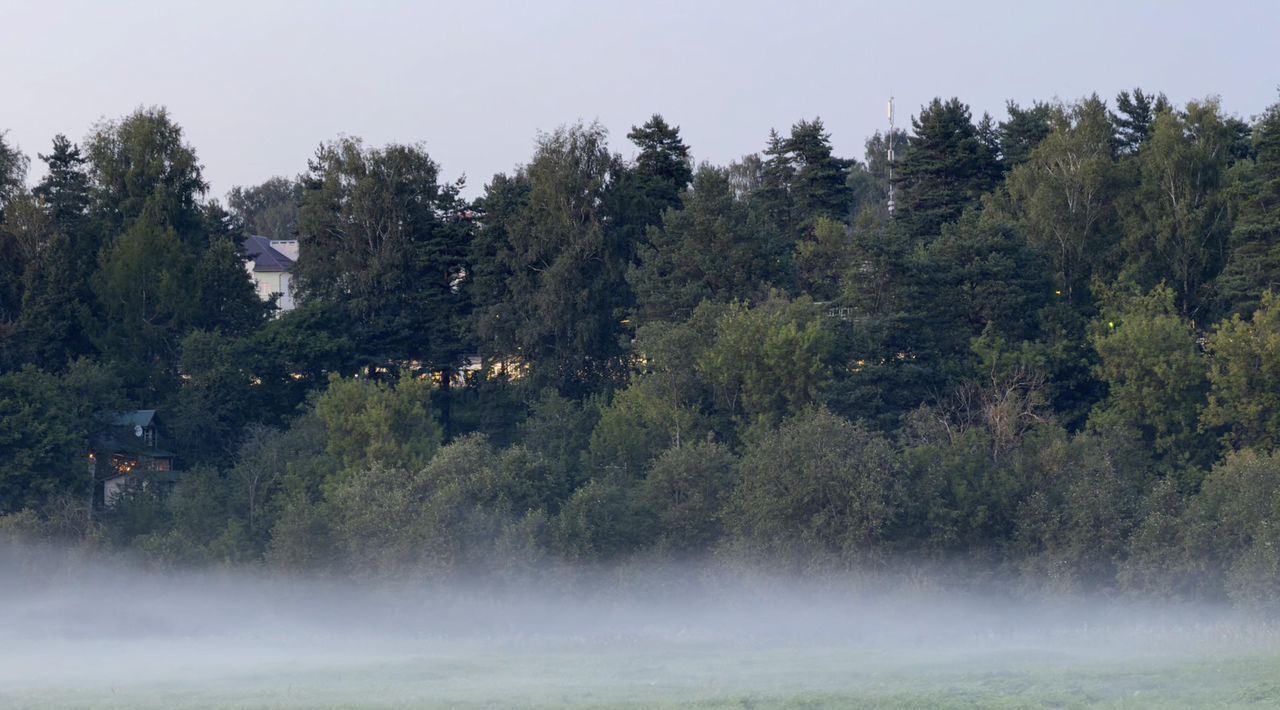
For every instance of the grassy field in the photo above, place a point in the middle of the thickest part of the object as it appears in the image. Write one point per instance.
(97, 636)
(696, 675)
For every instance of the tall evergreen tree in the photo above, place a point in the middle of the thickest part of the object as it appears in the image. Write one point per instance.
(819, 187)
(774, 190)
(1253, 264)
(13, 171)
(65, 193)
(10, 296)
(52, 330)
(823, 259)
(638, 194)
(146, 203)
(1022, 131)
(948, 166)
(493, 266)
(887, 366)
(718, 247)
(1241, 139)
(25, 234)
(979, 275)
(663, 167)
(228, 302)
(1136, 112)
(65, 188)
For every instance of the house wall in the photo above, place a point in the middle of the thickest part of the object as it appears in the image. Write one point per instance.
(273, 282)
(111, 488)
(286, 292)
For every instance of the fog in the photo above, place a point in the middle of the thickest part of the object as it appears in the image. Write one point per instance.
(80, 631)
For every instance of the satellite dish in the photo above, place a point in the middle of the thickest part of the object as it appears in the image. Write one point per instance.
(137, 430)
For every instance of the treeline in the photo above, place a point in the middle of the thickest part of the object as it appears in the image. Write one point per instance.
(1059, 356)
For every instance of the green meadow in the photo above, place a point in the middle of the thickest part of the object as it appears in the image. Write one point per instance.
(623, 674)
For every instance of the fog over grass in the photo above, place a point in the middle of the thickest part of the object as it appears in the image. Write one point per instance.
(77, 632)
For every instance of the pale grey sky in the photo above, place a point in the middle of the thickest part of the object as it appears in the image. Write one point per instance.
(257, 85)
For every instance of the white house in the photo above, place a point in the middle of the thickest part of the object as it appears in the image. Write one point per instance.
(270, 261)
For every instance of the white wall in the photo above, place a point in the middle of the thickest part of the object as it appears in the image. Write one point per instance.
(271, 283)
(285, 282)
(111, 488)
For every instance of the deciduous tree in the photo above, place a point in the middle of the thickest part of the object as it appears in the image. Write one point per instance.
(1244, 375)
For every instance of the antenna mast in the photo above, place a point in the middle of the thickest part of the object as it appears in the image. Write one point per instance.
(890, 156)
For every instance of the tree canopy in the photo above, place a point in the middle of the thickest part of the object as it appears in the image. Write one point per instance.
(1057, 357)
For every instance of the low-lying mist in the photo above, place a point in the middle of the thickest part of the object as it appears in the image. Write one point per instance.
(78, 630)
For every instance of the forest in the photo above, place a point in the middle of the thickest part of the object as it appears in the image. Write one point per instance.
(1055, 362)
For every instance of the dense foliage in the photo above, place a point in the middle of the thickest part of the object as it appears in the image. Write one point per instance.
(1059, 356)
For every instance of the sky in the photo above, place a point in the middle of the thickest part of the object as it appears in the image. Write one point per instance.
(258, 85)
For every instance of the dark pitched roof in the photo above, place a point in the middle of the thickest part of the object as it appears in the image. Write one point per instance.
(265, 257)
(121, 435)
(137, 417)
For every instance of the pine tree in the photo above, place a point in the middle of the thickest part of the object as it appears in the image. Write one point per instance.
(57, 300)
(773, 193)
(65, 188)
(716, 248)
(819, 186)
(1137, 112)
(492, 268)
(949, 165)
(1023, 131)
(65, 192)
(229, 304)
(10, 298)
(55, 315)
(980, 274)
(1253, 264)
(663, 166)
(25, 233)
(639, 194)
